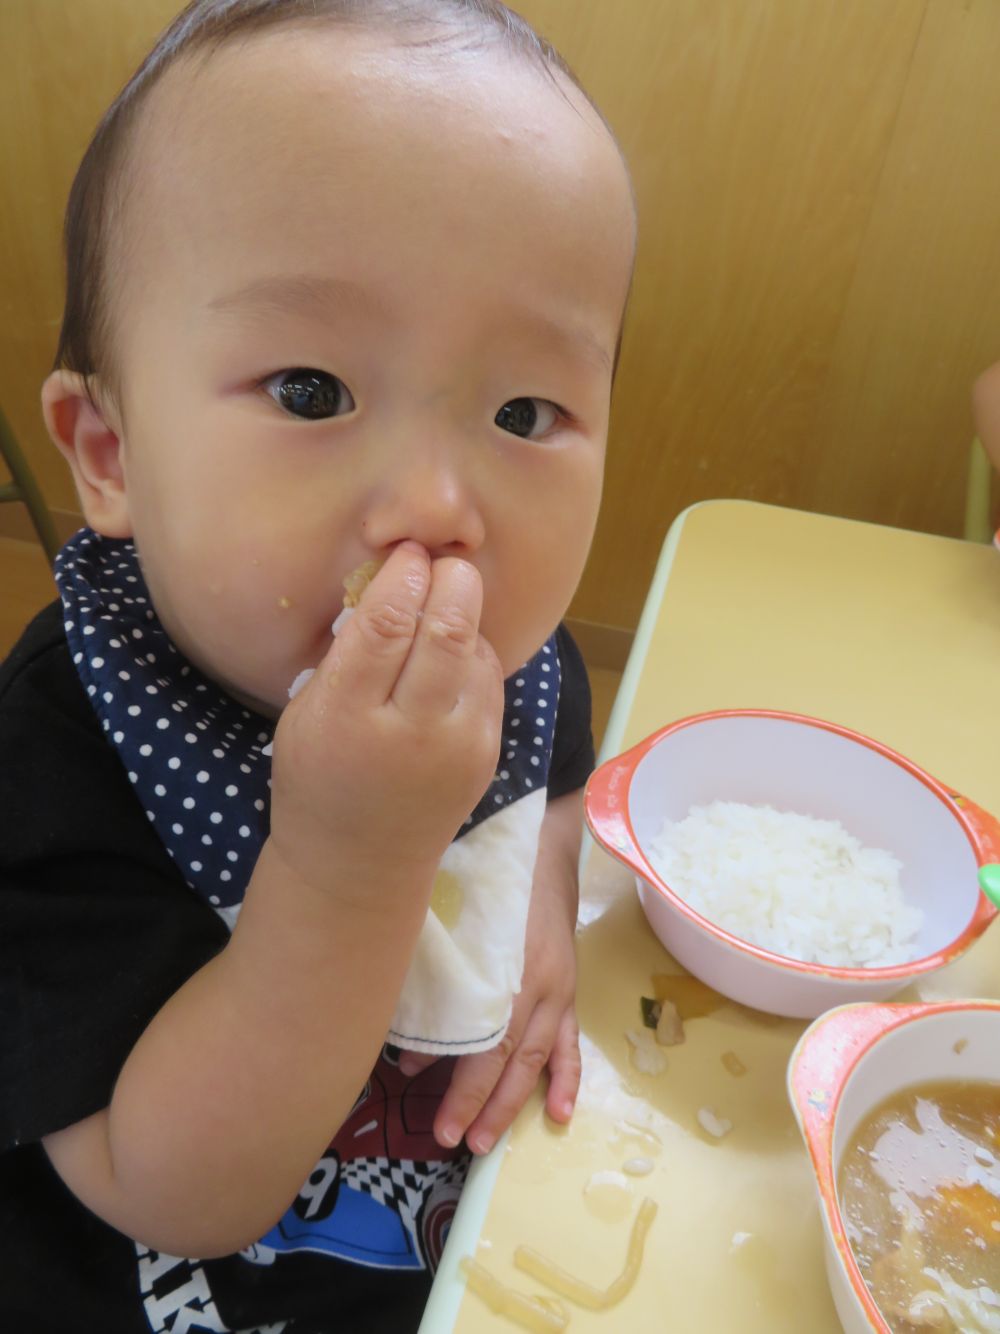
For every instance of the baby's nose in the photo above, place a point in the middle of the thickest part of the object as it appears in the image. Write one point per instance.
(430, 502)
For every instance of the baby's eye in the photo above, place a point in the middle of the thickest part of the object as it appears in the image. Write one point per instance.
(309, 393)
(530, 418)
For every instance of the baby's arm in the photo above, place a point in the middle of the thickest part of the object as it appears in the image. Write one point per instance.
(233, 1092)
(489, 1089)
(986, 411)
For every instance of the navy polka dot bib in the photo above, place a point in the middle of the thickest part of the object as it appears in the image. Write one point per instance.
(199, 761)
(192, 753)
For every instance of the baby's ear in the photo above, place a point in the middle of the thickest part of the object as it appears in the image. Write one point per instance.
(92, 448)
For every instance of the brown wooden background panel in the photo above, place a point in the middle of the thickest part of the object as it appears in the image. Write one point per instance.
(818, 278)
(61, 63)
(756, 176)
(891, 436)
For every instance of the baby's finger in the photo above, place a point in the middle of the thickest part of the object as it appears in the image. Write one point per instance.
(489, 1089)
(565, 1068)
(438, 666)
(482, 691)
(369, 652)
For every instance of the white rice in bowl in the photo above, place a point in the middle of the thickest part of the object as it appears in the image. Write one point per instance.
(792, 884)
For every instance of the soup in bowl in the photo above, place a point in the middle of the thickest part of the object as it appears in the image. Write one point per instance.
(899, 1107)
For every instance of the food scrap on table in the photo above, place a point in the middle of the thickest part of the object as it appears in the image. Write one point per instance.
(716, 1126)
(537, 1313)
(627, 1127)
(575, 1289)
(646, 1056)
(669, 1026)
(693, 998)
(733, 1065)
(638, 1167)
(663, 1017)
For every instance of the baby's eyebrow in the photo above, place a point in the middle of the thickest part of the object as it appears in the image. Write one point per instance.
(317, 296)
(575, 338)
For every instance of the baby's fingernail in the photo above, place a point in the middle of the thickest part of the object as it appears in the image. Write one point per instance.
(449, 1136)
(482, 1143)
(567, 1109)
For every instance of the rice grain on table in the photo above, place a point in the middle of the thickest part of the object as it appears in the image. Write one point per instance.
(798, 886)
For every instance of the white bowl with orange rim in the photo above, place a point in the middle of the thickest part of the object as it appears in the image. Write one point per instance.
(949, 848)
(845, 1065)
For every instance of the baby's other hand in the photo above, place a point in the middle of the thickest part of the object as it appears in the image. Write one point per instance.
(392, 742)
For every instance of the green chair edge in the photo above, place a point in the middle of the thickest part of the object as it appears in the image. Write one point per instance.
(978, 527)
(24, 488)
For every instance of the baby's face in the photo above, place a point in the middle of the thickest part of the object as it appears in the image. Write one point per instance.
(345, 262)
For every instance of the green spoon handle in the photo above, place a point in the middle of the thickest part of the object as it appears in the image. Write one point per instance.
(989, 882)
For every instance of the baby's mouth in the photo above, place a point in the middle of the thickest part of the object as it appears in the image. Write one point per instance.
(354, 587)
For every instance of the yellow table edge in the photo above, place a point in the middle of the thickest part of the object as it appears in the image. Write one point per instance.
(448, 1289)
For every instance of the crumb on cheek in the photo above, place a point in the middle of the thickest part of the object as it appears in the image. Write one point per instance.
(285, 603)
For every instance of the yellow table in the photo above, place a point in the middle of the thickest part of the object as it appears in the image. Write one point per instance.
(893, 633)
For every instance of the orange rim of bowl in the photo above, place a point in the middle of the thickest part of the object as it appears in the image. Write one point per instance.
(980, 828)
(818, 1073)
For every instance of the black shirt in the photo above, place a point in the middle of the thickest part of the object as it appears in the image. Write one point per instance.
(97, 930)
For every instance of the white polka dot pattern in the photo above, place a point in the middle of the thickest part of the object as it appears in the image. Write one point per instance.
(526, 741)
(195, 757)
(186, 745)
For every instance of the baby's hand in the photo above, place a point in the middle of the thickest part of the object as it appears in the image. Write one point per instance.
(395, 738)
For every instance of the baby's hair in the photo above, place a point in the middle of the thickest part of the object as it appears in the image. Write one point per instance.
(99, 193)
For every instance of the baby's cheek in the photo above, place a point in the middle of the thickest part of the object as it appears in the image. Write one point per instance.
(255, 647)
(516, 631)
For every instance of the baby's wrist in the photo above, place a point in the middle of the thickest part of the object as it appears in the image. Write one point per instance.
(351, 878)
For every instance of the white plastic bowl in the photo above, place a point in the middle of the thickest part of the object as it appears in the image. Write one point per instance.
(819, 769)
(848, 1062)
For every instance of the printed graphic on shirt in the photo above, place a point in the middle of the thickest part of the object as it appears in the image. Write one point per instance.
(177, 1298)
(383, 1195)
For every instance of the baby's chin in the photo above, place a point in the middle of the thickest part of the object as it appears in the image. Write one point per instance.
(514, 651)
(268, 703)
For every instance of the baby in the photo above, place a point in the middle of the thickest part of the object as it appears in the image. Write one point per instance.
(345, 285)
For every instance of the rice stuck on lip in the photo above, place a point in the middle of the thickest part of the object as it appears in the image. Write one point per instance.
(798, 886)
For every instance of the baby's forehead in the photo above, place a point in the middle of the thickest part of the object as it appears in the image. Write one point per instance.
(292, 82)
(300, 143)
(351, 68)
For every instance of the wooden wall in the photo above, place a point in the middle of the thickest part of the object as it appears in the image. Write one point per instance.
(818, 278)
